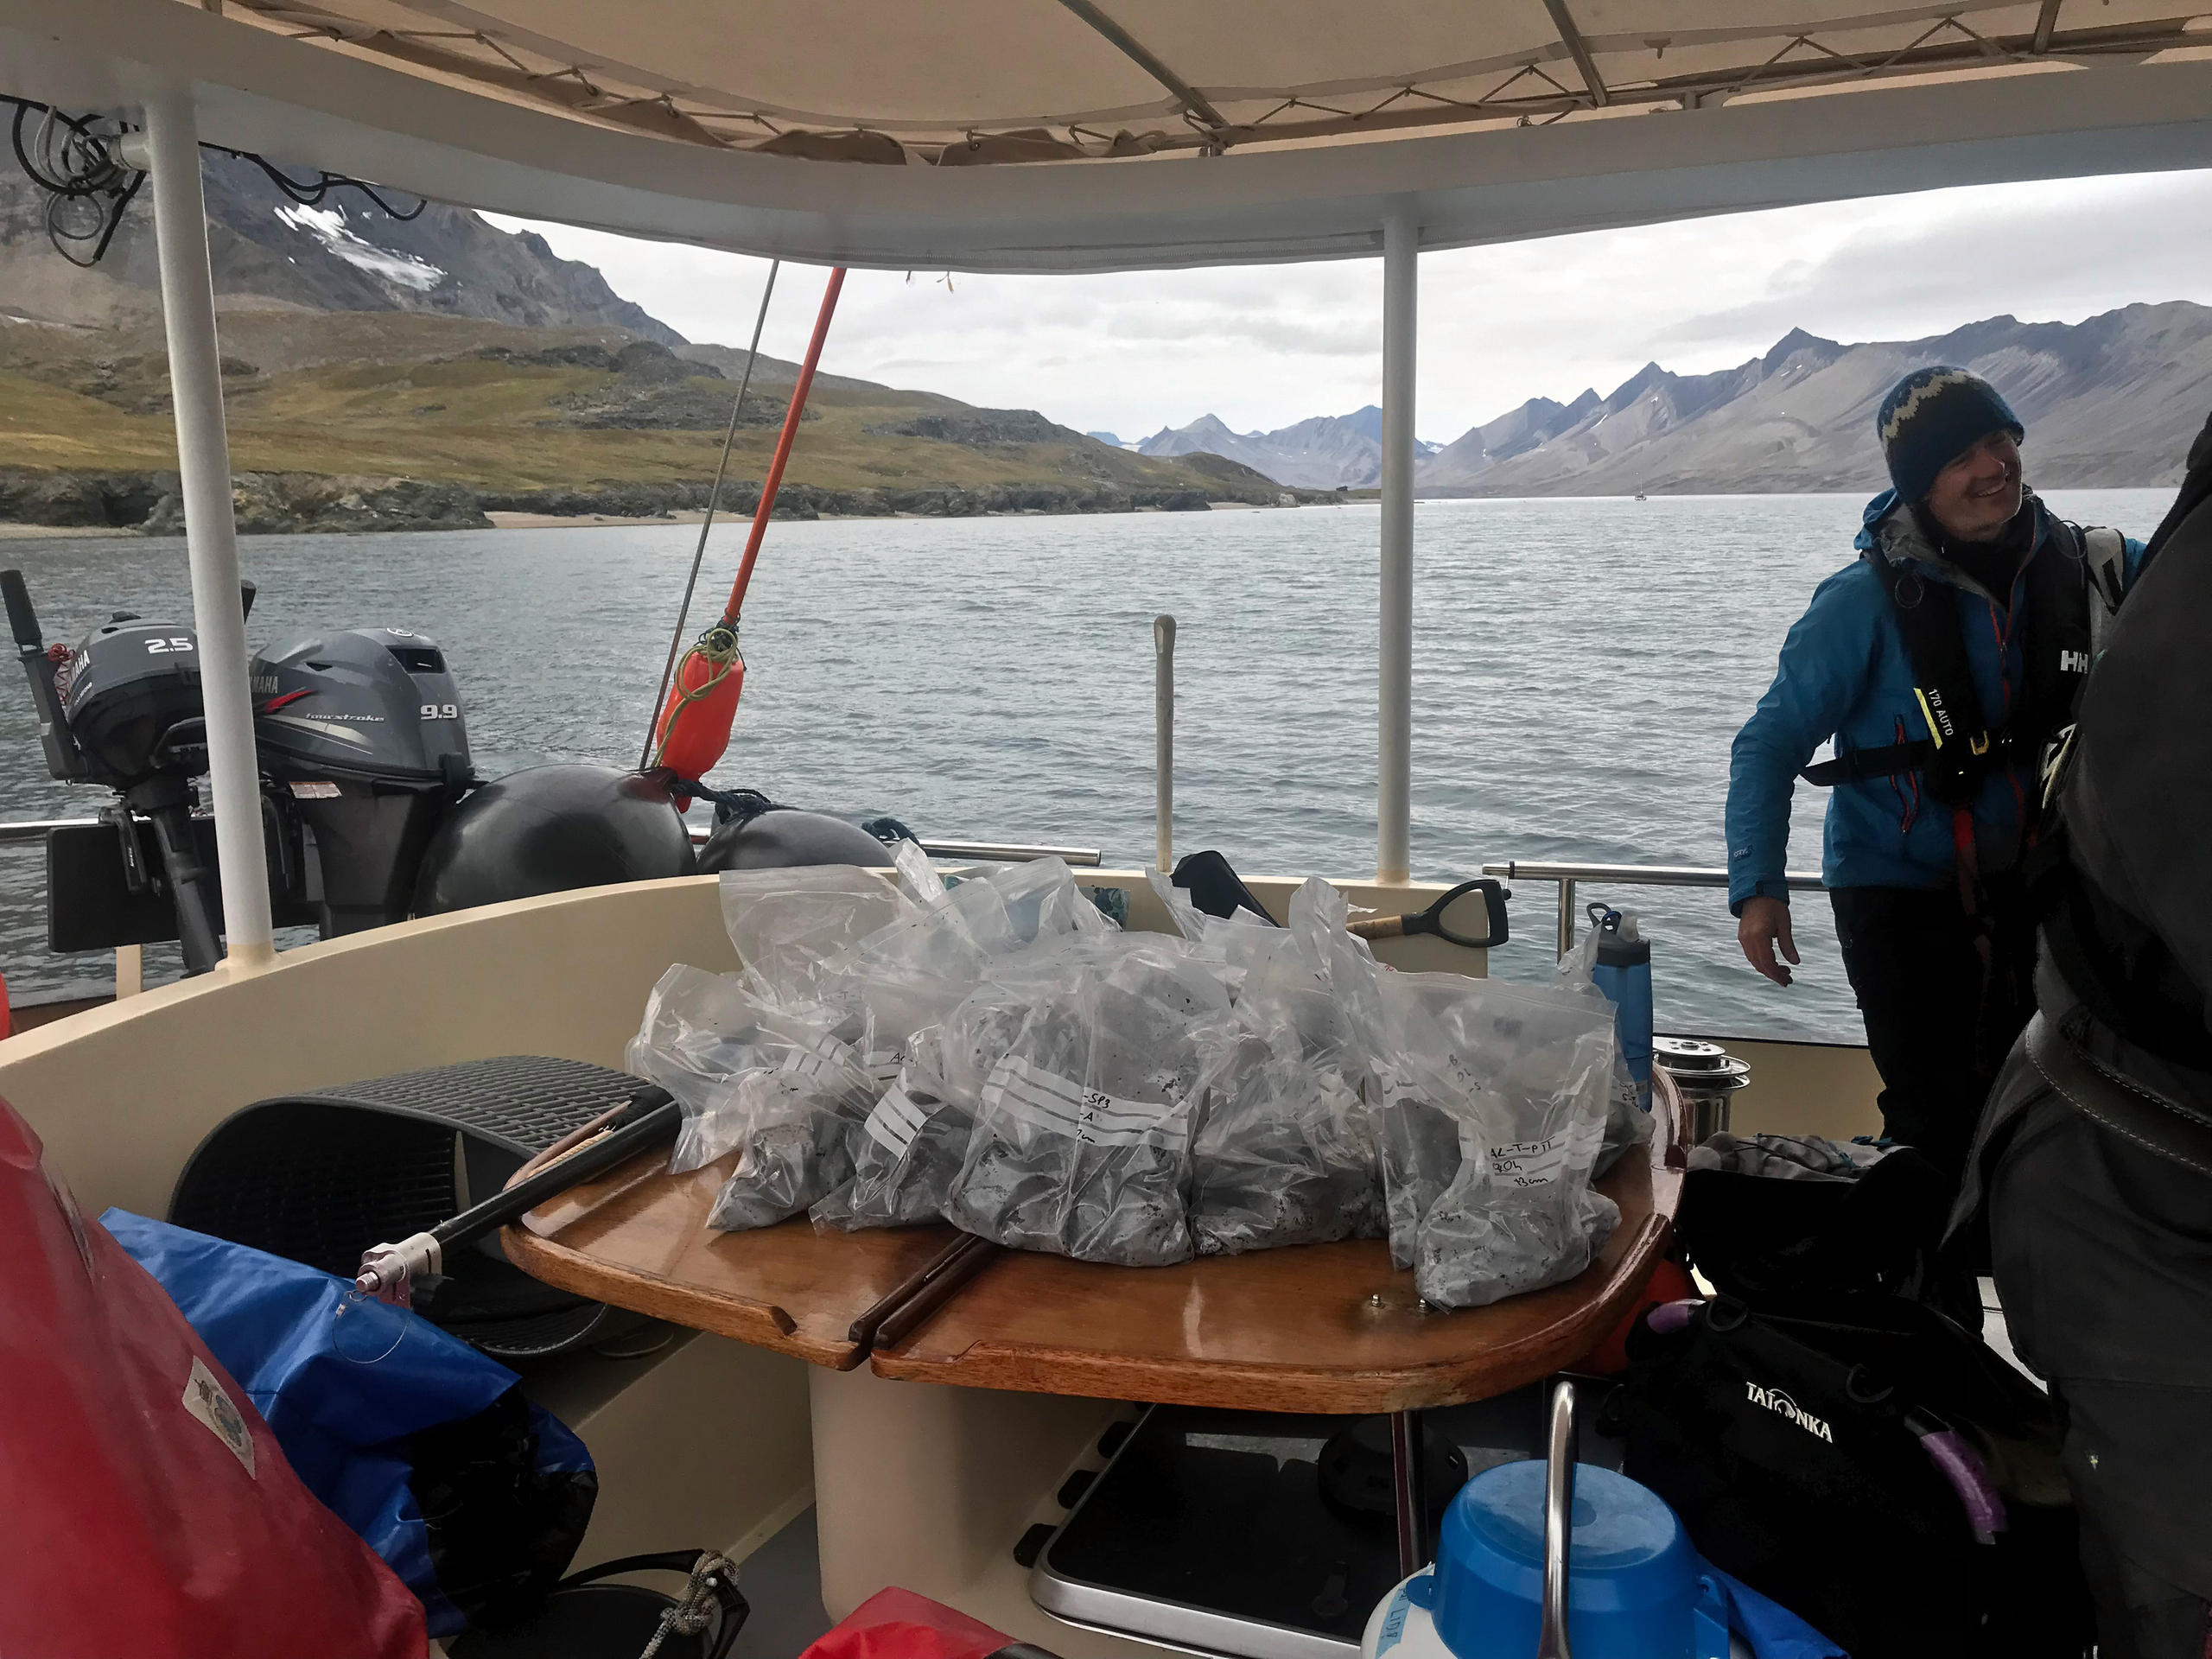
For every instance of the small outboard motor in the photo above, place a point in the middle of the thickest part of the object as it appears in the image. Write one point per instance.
(363, 743)
(123, 710)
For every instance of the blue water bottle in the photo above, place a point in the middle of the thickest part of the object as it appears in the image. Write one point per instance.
(1622, 972)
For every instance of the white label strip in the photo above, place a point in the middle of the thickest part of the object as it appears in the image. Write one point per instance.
(813, 1058)
(1045, 1100)
(883, 1064)
(896, 1121)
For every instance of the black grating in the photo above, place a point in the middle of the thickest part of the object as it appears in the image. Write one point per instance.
(322, 1176)
(523, 1101)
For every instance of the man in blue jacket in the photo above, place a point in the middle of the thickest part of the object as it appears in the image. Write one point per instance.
(1943, 663)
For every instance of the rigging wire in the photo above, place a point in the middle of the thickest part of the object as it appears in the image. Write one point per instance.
(76, 162)
(713, 499)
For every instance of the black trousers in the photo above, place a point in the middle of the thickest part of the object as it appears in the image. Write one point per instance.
(1938, 1022)
(2102, 1253)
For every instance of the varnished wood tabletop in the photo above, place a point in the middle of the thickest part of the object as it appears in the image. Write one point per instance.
(638, 1238)
(1319, 1328)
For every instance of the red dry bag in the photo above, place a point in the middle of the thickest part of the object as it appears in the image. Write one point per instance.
(899, 1624)
(152, 1512)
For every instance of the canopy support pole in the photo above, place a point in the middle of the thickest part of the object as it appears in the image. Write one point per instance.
(1393, 771)
(203, 455)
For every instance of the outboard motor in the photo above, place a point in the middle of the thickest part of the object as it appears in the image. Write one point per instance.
(362, 740)
(123, 710)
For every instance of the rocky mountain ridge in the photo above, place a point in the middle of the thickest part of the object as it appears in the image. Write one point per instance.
(382, 373)
(1324, 452)
(2110, 401)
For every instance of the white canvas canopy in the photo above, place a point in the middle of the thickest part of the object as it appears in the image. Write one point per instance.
(1044, 135)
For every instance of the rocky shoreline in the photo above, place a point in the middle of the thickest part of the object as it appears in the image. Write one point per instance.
(291, 503)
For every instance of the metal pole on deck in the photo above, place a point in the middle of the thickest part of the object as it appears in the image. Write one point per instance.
(203, 454)
(1163, 741)
(1394, 771)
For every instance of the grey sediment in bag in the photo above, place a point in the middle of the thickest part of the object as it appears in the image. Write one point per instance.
(1494, 1110)
(1286, 1150)
(800, 1122)
(909, 1149)
(1082, 1139)
(998, 1054)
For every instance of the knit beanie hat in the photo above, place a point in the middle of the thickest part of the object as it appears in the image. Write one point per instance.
(1933, 417)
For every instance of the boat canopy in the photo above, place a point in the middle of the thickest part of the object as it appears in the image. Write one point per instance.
(1094, 134)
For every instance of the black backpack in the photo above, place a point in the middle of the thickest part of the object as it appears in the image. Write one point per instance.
(1877, 1469)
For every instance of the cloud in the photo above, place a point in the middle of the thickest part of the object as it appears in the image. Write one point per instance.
(1264, 346)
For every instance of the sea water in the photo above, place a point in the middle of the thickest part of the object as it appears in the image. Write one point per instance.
(1580, 668)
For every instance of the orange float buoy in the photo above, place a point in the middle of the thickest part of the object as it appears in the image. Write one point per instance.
(693, 728)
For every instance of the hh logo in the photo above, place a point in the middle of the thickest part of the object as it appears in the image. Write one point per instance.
(2072, 662)
(1780, 1403)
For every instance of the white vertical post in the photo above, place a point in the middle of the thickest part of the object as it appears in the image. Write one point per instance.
(203, 455)
(1163, 741)
(1393, 771)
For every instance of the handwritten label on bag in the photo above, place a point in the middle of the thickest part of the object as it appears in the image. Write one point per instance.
(1532, 1163)
(1044, 1100)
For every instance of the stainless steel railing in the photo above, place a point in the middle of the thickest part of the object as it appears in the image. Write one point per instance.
(1621, 875)
(35, 829)
(996, 851)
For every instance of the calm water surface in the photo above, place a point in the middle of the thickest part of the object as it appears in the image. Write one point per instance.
(1580, 668)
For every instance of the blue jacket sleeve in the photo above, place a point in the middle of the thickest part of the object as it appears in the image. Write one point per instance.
(1822, 673)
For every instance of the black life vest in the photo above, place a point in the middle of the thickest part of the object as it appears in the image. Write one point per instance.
(2073, 573)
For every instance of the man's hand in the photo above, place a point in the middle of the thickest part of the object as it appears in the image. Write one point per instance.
(1763, 927)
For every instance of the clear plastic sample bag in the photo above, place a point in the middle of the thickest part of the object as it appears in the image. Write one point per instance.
(911, 1147)
(1495, 1106)
(1286, 1152)
(1082, 1139)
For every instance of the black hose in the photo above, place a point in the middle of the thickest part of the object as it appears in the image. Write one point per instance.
(651, 1116)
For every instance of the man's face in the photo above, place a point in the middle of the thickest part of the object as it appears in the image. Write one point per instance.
(1975, 497)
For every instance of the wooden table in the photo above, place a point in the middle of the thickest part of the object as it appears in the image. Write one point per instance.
(1330, 1328)
(1317, 1327)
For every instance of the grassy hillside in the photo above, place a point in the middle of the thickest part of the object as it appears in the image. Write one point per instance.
(502, 410)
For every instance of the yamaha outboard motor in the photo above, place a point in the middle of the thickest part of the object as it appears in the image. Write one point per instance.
(123, 710)
(361, 736)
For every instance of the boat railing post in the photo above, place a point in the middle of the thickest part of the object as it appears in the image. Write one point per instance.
(130, 970)
(1566, 914)
(1163, 741)
(210, 525)
(1394, 770)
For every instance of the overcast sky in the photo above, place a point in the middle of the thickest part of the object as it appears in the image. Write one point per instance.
(1262, 347)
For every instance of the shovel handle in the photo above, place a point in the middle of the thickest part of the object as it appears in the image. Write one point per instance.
(1379, 927)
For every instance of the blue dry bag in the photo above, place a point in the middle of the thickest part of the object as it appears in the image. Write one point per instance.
(425, 1425)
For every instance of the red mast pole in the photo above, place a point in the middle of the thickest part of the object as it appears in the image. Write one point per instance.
(693, 729)
(792, 418)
